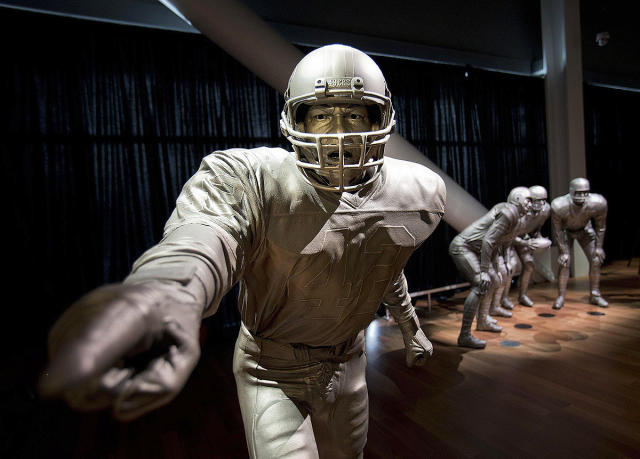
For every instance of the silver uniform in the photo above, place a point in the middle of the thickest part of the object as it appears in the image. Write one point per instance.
(485, 236)
(474, 251)
(531, 228)
(313, 268)
(586, 224)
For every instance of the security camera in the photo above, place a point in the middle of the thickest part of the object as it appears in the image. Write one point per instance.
(602, 38)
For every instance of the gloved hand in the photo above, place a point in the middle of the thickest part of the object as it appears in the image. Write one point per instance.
(563, 260)
(483, 281)
(599, 256)
(128, 347)
(416, 344)
(417, 348)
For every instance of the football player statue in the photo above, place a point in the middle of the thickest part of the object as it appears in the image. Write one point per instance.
(475, 252)
(571, 218)
(528, 241)
(317, 239)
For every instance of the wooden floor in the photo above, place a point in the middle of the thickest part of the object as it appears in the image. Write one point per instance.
(571, 388)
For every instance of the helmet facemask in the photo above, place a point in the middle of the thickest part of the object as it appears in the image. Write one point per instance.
(538, 197)
(538, 204)
(339, 145)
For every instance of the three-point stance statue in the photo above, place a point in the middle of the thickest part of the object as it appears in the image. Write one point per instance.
(580, 215)
(528, 241)
(475, 252)
(317, 238)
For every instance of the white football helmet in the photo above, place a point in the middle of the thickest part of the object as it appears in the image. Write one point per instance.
(579, 190)
(338, 74)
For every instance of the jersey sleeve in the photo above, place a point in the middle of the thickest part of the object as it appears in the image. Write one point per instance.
(215, 227)
(225, 192)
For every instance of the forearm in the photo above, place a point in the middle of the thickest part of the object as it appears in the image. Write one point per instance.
(519, 242)
(600, 229)
(398, 302)
(561, 236)
(195, 263)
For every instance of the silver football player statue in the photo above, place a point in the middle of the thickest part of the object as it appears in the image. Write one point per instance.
(528, 241)
(582, 216)
(476, 252)
(316, 238)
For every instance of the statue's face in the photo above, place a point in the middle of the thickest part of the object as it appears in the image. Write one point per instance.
(525, 205)
(579, 196)
(336, 119)
(339, 119)
(538, 204)
(579, 190)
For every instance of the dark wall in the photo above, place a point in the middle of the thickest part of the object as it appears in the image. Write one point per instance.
(503, 28)
(621, 56)
(613, 162)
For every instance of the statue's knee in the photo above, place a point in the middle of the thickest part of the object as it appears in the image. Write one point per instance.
(478, 287)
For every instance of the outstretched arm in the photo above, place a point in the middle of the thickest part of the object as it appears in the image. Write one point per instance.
(132, 346)
(398, 301)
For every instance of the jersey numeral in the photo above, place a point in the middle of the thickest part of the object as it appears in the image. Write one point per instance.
(351, 272)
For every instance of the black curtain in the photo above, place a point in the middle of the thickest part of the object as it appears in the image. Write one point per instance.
(613, 163)
(101, 126)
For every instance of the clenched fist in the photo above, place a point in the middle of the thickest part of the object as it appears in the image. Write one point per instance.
(127, 347)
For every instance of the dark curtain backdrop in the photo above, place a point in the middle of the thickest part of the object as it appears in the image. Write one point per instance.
(102, 124)
(612, 120)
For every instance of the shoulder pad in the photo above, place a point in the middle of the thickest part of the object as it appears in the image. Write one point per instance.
(546, 210)
(597, 201)
(416, 185)
(560, 203)
(510, 211)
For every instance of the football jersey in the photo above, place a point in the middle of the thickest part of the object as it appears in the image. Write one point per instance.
(567, 215)
(497, 226)
(533, 222)
(313, 265)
